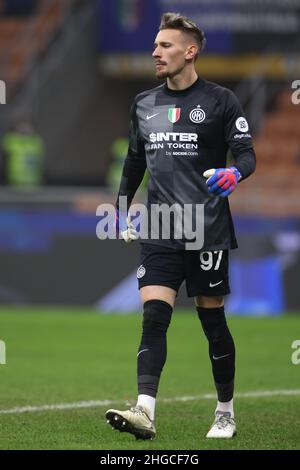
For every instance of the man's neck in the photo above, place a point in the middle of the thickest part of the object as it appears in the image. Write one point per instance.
(182, 81)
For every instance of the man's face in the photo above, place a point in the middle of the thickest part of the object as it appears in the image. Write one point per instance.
(172, 50)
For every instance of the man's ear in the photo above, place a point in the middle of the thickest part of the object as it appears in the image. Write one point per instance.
(191, 52)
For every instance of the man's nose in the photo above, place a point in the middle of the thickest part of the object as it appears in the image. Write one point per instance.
(156, 52)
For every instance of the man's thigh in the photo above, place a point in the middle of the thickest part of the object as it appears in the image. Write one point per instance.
(161, 273)
(158, 293)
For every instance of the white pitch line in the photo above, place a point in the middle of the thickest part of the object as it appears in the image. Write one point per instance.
(95, 403)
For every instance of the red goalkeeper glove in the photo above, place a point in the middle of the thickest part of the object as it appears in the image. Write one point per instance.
(222, 181)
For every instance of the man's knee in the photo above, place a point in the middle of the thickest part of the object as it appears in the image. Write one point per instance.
(209, 302)
(157, 317)
(213, 322)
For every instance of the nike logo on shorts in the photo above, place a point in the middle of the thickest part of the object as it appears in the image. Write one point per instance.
(216, 284)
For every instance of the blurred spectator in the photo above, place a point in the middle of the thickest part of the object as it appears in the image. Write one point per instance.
(17, 7)
(119, 152)
(22, 152)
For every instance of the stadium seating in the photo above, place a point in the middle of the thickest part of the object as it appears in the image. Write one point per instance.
(275, 189)
(24, 38)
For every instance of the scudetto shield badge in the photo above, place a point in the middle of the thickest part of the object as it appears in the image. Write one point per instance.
(174, 114)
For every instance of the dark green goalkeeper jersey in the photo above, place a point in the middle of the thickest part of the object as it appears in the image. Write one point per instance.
(177, 135)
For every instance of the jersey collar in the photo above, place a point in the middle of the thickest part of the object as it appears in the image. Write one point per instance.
(186, 91)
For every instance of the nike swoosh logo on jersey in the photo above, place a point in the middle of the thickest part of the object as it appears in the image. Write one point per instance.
(220, 357)
(216, 284)
(152, 116)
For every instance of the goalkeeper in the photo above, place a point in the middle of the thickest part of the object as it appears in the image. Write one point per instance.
(181, 132)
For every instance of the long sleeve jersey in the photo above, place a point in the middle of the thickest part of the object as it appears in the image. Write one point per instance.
(177, 135)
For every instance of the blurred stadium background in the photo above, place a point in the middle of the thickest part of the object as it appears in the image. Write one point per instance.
(70, 69)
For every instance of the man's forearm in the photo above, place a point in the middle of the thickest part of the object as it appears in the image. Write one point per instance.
(132, 176)
(246, 163)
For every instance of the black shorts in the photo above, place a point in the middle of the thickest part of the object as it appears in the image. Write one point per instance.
(205, 273)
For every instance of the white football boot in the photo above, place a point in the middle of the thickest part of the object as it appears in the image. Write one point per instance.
(223, 426)
(135, 421)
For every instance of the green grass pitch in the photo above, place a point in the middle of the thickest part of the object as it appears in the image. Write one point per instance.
(66, 356)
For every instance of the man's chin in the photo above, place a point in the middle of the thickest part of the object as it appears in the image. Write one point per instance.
(161, 74)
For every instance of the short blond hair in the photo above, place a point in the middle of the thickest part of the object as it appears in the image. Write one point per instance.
(172, 20)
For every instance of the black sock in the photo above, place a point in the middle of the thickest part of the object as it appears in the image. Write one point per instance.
(221, 350)
(152, 352)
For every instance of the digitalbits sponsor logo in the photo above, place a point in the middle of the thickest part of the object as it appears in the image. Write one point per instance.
(242, 124)
(197, 115)
(141, 272)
